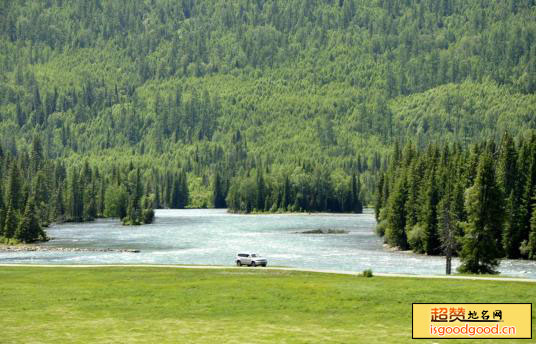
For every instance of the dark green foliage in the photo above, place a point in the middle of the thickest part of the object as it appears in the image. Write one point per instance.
(529, 247)
(428, 214)
(378, 205)
(484, 203)
(3, 211)
(76, 197)
(148, 215)
(367, 273)
(179, 192)
(307, 190)
(11, 222)
(453, 201)
(355, 205)
(395, 233)
(448, 227)
(14, 189)
(29, 229)
(59, 209)
(81, 192)
(218, 194)
(139, 211)
(506, 169)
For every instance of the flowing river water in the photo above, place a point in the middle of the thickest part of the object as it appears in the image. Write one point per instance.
(213, 236)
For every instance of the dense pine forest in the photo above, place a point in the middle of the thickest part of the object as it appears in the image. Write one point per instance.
(264, 105)
(38, 191)
(478, 203)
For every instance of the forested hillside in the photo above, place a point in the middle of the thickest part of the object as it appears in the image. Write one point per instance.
(479, 203)
(37, 191)
(295, 91)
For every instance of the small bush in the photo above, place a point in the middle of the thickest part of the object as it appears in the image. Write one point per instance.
(148, 216)
(380, 228)
(367, 273)
(417, 238)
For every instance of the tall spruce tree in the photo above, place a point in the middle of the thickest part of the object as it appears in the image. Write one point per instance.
(511, 236)
(395, 233)
(448, 228)
(36, 155)
(481, 244)
(3, 210)
(378, 205)
(11, 222)
(530, 249)
(29, 229)
(14, 188)
(261, 190)
(356, 205)
(286, 197)
(76, 197)
(428, 214)
(218, 195)
(506, 169)
(59, 205)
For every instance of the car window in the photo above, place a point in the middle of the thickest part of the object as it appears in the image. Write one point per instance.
(254, 255)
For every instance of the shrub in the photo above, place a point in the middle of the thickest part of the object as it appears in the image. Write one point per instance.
(380, 228)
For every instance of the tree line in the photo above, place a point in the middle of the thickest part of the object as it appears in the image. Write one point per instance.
(309, 189)
(36, 191)
(478, 203)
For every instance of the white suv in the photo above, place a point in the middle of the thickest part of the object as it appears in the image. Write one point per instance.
(250, 259)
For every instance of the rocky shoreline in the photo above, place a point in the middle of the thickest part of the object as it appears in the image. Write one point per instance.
(38, 248)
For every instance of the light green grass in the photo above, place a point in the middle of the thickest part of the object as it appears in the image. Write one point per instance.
(166, 305)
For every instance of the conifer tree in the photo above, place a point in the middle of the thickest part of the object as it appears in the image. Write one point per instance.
(511, 239)
(261, 192)
(413, 202)
(76, 197)
(485, 212)
(524, 188)
(448, 229)
(59, 206)
(506, 169)
(428, 214)
(185, 193)
(11, 222)
(3, 210)
(218, 196)
(356, 205)
(286, 194)
(14, 190)
(530, 249)
(395, 233)
(29, 229)
(36, 155)
(379, 197)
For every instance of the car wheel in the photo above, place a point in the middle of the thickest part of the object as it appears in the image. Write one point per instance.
(263, 265)
(238, 263)
(253, 264)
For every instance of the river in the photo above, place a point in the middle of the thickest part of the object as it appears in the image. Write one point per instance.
(213, 236)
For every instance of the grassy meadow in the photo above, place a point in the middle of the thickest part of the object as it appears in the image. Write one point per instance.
(167, 305)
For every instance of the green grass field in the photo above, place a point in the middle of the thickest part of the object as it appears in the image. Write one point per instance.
(167, 305)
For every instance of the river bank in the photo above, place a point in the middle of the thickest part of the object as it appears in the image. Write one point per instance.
(38, 248)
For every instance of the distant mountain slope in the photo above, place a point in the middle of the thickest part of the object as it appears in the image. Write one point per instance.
(232, 85)
(465, 112)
